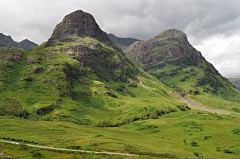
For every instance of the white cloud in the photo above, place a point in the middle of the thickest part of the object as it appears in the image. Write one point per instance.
(223, 52)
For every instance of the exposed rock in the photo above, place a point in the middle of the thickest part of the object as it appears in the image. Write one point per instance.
(78, 23)
(43, 110)
(122, 41)
(8, 57)
(110, 94)
(31, 60)
(170, 44)
(36, 70)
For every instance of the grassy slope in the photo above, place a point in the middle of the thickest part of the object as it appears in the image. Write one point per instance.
(94, 103)
(235, 81)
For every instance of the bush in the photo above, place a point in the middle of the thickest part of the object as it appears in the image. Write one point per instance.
(236, 131)
(218, 149)
(198, 154)
(194, 143)
(183, 107)
(36, 152)
(228, 150)
(185, 141)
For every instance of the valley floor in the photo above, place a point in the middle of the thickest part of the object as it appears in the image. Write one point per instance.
(169, 136)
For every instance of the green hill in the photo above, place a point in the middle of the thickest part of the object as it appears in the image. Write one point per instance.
(235, 81)
(171, 59)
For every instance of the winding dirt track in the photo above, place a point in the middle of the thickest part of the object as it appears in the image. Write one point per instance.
(196, 105)
(52, 148)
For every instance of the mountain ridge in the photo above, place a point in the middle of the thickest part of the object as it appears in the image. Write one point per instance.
(7, 41)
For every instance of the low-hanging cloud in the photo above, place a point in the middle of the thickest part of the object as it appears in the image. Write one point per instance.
(204, 22)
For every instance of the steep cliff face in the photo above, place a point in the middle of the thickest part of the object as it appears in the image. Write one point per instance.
(7, 41)
(171, 45)
(122, 42)
(76, 24)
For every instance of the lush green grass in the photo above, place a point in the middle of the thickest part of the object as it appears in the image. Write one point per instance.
(155, 137)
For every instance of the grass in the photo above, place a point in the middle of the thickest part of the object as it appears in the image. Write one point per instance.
(154, 137)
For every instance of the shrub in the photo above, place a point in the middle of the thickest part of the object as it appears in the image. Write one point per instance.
(198, 154)
(236, 131)
(228, 150)
(183, 107)
(185, 141)
(194, 143)
(36, 152)
(218, 148)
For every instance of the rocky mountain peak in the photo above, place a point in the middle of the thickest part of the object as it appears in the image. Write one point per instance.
(170, 45)
(78, 23)
(173, 33)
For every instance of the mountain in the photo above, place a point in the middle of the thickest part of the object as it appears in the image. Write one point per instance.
(7, 41)
(174, 61)
(70, 88)
(235, 81)
(122, 42)
(80, 75)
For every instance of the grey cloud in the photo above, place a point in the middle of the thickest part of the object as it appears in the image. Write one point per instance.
(201, 20)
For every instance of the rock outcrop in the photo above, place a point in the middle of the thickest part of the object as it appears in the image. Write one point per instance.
(122, 41)
(170, 44)
(76, 24)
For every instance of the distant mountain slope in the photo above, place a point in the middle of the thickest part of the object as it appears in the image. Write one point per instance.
(7, 41)
(122, 42)
(172, 59)
(235, 81)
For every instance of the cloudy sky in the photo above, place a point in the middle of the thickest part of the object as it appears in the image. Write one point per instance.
(212, 26)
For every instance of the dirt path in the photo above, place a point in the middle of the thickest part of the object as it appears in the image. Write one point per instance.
(196, 105)
(52, 148)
